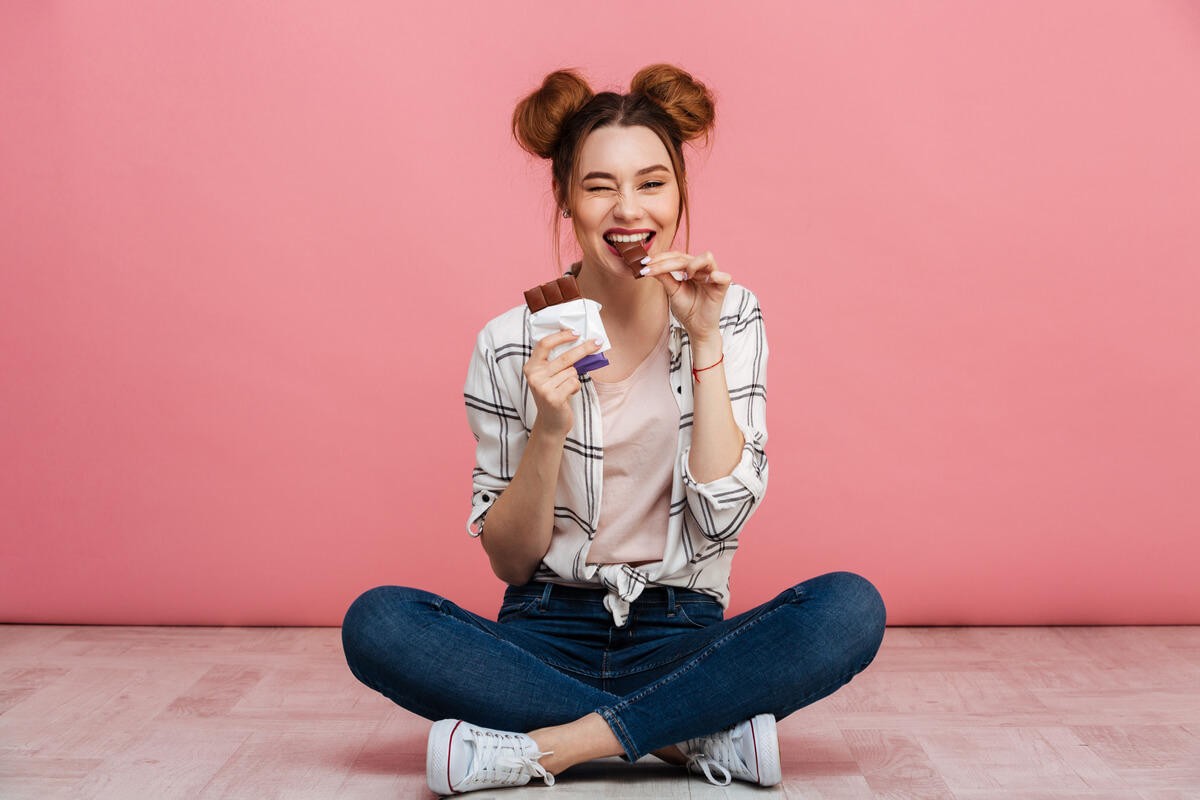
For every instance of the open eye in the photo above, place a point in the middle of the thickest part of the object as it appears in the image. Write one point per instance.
(652, 184)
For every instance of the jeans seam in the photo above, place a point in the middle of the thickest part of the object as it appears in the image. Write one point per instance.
(700, 649)
(665, 681)
(824, 690)
(656, 664)
(518, 611)
(680, 611)
(618, 729)
(696, 659)
(470, 622)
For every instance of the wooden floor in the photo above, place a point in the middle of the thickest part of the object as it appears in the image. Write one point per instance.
(963, 713)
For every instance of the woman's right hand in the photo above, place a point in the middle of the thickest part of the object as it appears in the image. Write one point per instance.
(554, 380)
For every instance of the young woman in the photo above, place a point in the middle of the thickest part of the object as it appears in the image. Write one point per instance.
(611, 502)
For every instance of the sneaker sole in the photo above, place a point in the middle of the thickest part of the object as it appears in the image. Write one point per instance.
(437, 755)
(766, 749)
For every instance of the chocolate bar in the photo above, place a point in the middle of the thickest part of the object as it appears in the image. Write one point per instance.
(557, 292)
(551, 294)
(633, 253)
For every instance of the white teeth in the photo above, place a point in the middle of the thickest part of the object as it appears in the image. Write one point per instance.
(627, 237)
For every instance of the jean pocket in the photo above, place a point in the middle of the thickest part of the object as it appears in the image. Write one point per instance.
(700, 615)
(517, 607)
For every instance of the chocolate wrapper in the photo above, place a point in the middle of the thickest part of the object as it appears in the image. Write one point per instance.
(581, 315)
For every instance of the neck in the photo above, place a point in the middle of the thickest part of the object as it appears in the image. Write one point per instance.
(626, 301)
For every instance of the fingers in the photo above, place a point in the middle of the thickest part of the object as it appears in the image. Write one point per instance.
(568, 359)
(552, 381)
(540, 367)
(565, 382)
(683, 267)
(555, 389)
(542, 347)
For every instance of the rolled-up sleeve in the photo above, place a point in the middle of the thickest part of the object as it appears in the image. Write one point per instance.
(499, 431)
(721, 507)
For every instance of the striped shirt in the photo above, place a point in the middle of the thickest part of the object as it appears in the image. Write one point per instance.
(705, 518)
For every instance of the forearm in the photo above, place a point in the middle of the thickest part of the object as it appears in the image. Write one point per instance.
(716, 439)
(519, 525)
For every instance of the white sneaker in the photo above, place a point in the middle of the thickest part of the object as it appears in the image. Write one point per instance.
(462, 757)
(748, 751)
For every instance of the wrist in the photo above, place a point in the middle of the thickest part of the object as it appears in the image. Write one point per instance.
(706, 351)
(548, 431)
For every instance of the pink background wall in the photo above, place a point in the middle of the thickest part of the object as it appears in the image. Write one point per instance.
(245, 249)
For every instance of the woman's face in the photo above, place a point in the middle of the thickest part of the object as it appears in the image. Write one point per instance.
(624, 186)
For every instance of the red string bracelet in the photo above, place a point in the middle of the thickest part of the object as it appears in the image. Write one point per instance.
(696, 372)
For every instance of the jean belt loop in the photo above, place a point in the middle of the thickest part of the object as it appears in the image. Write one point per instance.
(670, 601)
(545, 598)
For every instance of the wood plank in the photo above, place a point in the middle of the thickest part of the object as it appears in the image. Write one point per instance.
(895, 766)
(20, 683)
(1147, 756)
(1140, 746)
(648, 779)
(111, 725)
(385, 775)
(826, 787)
(1016, 759)
(1050, 794)
(1122, 707)
(60, 705)
(1095, 772)
(215, 692)
(22, 641)
(866, 693)
(41, 787)
(276, 765)
(31, 767)
(178, 762)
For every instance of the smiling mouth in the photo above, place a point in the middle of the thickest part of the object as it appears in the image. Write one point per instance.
(614, 239)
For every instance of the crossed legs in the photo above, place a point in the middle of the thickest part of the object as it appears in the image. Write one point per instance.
(440, 661)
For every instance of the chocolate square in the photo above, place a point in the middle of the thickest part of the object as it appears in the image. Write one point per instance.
(633, 253)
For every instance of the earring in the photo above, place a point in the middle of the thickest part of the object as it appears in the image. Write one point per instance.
(567, 213)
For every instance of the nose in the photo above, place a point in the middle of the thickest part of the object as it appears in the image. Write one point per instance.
(628, 206)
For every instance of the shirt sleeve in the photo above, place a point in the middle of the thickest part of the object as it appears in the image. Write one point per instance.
(721, 507)
(500, 433)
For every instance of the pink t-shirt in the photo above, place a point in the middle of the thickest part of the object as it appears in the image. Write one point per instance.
(640, 421)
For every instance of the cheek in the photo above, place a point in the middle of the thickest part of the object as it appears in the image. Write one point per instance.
(673, 207)
(673, 214)
(585, 232)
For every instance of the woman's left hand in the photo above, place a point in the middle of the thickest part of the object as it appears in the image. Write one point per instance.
(696, 290)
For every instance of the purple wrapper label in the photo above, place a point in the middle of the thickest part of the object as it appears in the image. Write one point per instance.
(589, 363)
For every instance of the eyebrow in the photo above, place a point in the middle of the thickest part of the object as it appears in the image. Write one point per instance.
(639, 173)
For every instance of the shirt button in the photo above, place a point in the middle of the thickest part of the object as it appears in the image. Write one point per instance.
(679, 390)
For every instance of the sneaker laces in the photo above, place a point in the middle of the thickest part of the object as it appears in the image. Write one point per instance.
(716, 750)
(504, 759)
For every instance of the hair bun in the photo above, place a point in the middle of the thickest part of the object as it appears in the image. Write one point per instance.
(538, 119)
(687, 100)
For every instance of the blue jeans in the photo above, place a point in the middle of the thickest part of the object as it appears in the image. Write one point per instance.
(676, 670)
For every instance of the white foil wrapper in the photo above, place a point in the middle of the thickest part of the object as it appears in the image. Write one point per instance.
(581, 315)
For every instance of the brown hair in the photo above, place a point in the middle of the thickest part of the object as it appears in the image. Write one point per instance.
(554, 121)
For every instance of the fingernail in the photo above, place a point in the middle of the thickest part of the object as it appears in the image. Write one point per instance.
(646, 260)
(599, 342)
(645, 271)
(576, 333)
